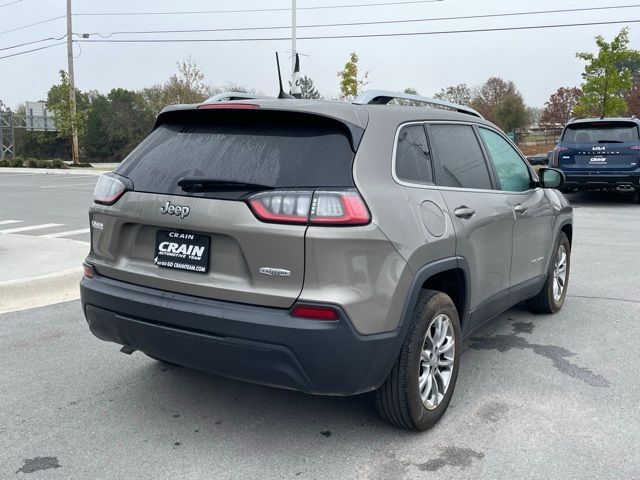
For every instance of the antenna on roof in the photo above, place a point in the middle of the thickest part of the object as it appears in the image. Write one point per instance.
(282, 93)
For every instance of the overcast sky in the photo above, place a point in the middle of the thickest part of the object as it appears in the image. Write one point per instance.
(538, 61)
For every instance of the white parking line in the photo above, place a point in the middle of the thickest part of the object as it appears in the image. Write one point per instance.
(32, 227)
(66, 234)
(7, 222)
(68, 185)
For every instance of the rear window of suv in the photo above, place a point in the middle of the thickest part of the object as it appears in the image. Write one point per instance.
(276, 149)
(601, 132)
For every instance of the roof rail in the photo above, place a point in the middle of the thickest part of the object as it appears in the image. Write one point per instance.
(382, 97)
(230, 96)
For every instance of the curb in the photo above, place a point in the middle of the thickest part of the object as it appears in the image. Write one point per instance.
(56, 171)
(39, 291)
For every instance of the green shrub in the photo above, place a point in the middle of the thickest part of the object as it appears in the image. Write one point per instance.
(12, 163)
(57, 163)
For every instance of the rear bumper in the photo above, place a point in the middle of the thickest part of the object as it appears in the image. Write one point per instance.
(596, 181)
(257, 344)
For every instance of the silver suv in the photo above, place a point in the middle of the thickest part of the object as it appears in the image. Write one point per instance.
(325, 247)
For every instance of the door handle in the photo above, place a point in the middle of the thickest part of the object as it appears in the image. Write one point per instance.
(519, 209)
(464, 212)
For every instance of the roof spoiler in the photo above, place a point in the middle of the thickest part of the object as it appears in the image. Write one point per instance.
(382, 97)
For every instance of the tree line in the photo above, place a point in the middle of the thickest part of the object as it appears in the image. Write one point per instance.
(111, 125)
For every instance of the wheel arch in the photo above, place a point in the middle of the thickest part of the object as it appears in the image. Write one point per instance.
(450, 276)
(567, 228)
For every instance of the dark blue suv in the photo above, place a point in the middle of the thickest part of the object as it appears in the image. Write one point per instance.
(600, 154)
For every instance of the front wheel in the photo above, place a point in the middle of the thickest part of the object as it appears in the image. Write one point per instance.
(419, 388)
(551, 298)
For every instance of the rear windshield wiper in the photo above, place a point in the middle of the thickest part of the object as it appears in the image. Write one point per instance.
(199, 184)
(609, 141)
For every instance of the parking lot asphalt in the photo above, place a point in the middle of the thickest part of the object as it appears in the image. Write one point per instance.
(38, 204)
(538, 396)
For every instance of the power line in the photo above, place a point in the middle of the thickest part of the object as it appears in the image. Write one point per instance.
(381, 22)
(32, 50)
(10, 3)
(316, 7)
(32, 24)
(370, 35)
(31, 43)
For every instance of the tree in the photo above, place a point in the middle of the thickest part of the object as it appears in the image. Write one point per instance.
(187, 86)
(350, 81)
(491, 94)
(116, 123)
(512, 115)
(460, 94)
(633, 98)
(558, 110)
(607, 77)
(59, 103)
(308, 89)
(534, 114)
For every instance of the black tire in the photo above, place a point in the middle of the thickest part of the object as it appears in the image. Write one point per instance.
(398, 399)
(544, 301)
(637, 197)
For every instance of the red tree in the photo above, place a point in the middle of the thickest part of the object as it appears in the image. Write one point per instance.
(559, 107)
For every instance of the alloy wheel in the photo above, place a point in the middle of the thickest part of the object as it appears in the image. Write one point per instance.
(436, 361)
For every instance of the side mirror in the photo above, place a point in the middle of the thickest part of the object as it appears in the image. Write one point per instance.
(551, 178)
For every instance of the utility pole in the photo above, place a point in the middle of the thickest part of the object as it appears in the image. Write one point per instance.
(72, 87)
(293, 36)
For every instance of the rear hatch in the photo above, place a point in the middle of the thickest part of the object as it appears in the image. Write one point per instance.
(184, 224)
(600, 145)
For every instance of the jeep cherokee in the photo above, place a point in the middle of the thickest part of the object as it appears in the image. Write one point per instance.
(325, 247)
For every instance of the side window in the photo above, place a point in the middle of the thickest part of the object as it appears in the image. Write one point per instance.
(512, 172)
(460, 157)
(413, 159)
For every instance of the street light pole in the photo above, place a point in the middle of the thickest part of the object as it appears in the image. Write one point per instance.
(72, 87)
(293, 36)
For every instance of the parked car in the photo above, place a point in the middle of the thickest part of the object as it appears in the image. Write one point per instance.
(600, 154)
(325, 247)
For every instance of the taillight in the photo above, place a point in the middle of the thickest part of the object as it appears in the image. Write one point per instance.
(314, 312)
(282, 206)
(109, 189)
(556, 155)
(344, 207)
(322, 207)
(635, 147)
(87, 269)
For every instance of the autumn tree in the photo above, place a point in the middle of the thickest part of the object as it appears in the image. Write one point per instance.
(607, 77)
(186, 86)
(460, 94)
(559, 108)
(633, 98)
(500, 102)
(491, 94)
(351, 82)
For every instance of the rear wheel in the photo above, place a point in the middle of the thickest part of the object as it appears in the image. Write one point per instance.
(551, 298)
(419, 388)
